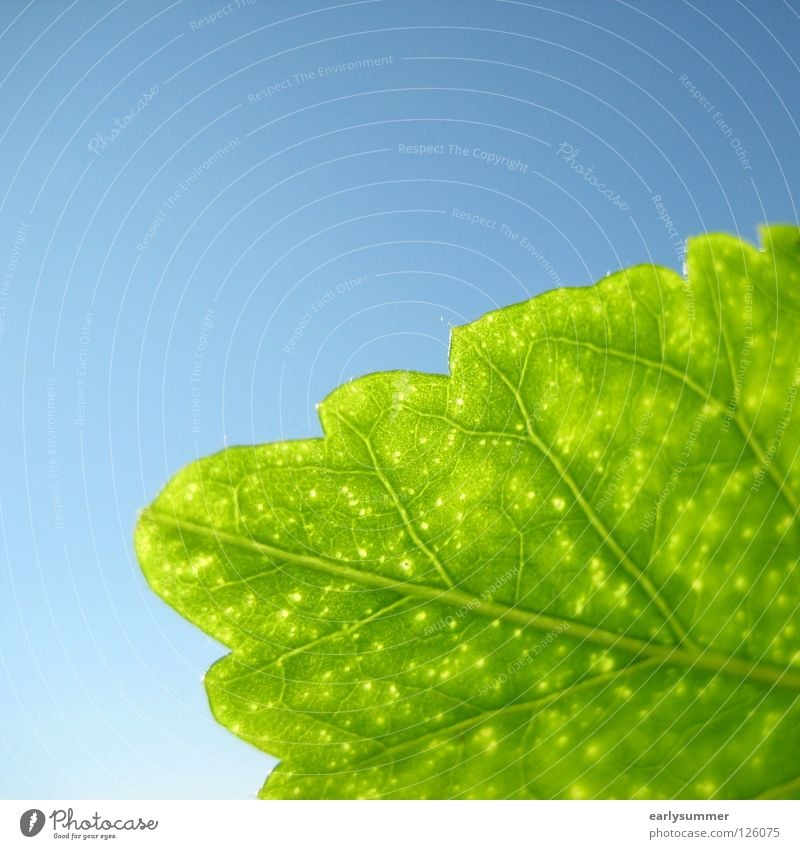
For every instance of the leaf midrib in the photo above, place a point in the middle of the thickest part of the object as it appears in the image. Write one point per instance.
(704, 659)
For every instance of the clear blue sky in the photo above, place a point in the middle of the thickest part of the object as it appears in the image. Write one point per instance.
(203, 234)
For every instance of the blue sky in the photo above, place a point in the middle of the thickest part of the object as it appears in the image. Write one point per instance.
(213, 214)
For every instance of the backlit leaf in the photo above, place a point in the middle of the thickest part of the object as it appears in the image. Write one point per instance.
(569, 569)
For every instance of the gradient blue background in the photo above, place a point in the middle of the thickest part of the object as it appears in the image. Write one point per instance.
(100, 682)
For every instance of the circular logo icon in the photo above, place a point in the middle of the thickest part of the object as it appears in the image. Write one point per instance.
(31, 822)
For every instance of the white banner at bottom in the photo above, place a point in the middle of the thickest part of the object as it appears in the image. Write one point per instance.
(401, 825)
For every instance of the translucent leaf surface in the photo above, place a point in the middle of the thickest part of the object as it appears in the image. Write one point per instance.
(569, 569)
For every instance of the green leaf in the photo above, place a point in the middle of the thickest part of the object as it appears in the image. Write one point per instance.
(567, 570)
